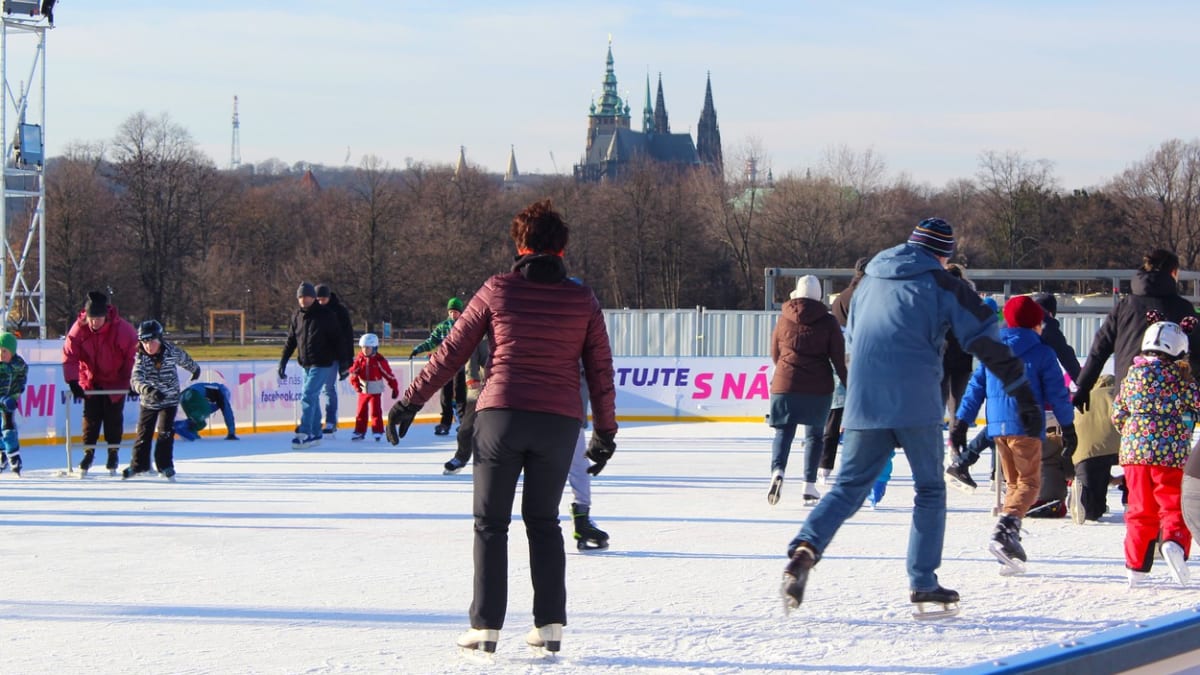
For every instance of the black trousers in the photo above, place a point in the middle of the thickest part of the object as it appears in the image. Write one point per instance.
(1093, 475)
(466, 434)
(151, 423)
(102, 411)
(507, 443)
(833, 430)
(454, 397)
(954, 383)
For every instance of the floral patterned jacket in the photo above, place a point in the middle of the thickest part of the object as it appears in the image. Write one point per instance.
(1149, 410)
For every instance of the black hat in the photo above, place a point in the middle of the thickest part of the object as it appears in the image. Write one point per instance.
(323, 291)
(1047, 301)
(306, 290)
(96, 304)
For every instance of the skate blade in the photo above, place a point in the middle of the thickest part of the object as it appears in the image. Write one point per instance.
(546, 651)
(1009, 567)
(477, 656)
(586, 545)
(811, 501)
(961, 487)
(947, 610)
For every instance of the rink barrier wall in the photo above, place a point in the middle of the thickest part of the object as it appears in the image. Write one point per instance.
(648, 389)
(1165, 644)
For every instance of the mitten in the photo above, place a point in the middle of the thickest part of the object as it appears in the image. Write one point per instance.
(400, 418)
(343, 374)
(195, 375)
(1029, 411)
(9, 403)
(958, 436)
(1081, 400)
(1070, 441)
(282, 371)
(413, 354)
(76, 390)
(600, 450)
(152, 395)
(395, 392)
(132, 396)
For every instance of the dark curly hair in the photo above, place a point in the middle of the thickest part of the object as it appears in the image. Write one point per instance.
(538, 228)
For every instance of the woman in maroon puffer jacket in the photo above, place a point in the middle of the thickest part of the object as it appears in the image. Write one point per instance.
(541, 326)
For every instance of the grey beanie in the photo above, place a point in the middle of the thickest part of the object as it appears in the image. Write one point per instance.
(306, 290)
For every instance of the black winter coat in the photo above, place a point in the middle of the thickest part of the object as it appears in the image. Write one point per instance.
(345, 354)
(1052, 337)
(314, 336)
(1121, 334)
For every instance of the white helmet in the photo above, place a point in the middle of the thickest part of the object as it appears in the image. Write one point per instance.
(1166, 337)
(369, 340)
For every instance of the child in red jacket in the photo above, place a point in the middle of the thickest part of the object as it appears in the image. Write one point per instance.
(368, 374)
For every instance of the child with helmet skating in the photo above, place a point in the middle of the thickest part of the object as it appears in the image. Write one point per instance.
(1158, 390)
(369, 375)
(156, 381)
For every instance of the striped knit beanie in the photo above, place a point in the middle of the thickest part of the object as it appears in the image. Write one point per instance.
(935, 235)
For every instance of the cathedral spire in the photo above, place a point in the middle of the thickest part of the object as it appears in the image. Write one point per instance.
(648, 111)
(661, 125)
(708, 133)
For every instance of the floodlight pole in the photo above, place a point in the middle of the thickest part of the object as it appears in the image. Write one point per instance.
(23, 302)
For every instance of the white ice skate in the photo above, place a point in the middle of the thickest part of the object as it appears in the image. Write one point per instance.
(478, 642)
(1173, 552)
(546, 640)
(776, 488)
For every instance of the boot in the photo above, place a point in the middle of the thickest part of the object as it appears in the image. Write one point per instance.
(113, 462)
(479, 639)
(546, 639)
(587, 536)
(795, 575)
(1006, 543)
(89, 456)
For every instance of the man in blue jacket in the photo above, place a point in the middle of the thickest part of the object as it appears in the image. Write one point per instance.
(895, 337)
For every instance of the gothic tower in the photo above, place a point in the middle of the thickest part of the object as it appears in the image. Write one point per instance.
(708, 133)
(612, 113)
(661, 125)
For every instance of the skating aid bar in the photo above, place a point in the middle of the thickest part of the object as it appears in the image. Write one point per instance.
(68, 399)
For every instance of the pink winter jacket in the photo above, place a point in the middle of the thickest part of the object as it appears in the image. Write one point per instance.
(102, 359)
(539, 332)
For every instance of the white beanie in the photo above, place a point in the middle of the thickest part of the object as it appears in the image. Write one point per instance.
(807, 286)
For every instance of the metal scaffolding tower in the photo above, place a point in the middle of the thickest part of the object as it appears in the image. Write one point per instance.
(23, 188)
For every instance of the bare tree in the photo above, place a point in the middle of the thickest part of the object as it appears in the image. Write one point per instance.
(1160, 196)
(1014, 197)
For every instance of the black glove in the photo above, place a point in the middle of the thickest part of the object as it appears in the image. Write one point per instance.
(283, 371)
(343, 374)
(600, 450)
(195, 375)
(1081, 400)
(76, 390)
(9, 403)
(1029, 411)
(132, 396)
(400, 418)
(958, 436)
(1070, 441)
(413, 354)
(153, 395)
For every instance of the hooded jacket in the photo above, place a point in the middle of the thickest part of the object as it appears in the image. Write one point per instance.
(1120, 336)
(807, 347)
(1148, 413)
(896, 335)
(1045, 378)
(540, 324)
(100, 359)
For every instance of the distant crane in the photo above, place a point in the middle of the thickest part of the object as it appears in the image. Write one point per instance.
(552, 162)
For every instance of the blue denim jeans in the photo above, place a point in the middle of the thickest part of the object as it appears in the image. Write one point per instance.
(315, 378)
(976, 446)
(331, 401)
(781, 448)
(866, 453)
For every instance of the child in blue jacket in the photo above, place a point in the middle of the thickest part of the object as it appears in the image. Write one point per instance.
(1020, 455)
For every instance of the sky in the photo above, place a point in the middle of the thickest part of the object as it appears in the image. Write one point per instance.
(355, 557)
(926, 86)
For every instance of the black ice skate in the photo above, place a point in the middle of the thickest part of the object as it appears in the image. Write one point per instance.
(958, 477)
(940, 603)
(795, 576)
(588, 537)
(441, 430)
(1006, 545)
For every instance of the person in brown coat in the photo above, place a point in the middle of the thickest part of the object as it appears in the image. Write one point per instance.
(807, 347)
(1099, 443)
(541, 326)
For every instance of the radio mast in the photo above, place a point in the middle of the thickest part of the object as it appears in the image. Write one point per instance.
(235, 148)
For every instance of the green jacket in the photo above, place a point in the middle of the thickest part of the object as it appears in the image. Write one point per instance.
(435, 338)
(1097, 435)
(12, 377)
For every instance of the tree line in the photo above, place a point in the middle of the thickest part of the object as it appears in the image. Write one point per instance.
(151, 219)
